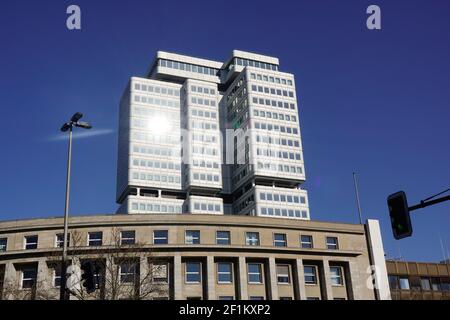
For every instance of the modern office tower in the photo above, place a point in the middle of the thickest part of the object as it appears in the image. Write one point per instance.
(205, 137)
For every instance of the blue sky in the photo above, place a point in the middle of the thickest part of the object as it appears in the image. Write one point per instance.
(374, 102)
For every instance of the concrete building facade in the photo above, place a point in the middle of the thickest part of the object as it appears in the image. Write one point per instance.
(201, 136)
(202, 256)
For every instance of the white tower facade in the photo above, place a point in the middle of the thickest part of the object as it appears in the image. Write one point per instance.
(205, 137)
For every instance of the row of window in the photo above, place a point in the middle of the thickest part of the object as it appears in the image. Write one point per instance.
(157, 151)
(203, 137)
(273, 103)
(156, 164)
(191, 237)
(275, 127)
(254, 63)
(203, 90)
(268, 196)
(273, 91)
(266, 78)
(274, 115)
(205, 164)
(280, 168)
(283, 212)
(157, 101)
(155, 177)
(419, 283)
(157, 208)
(203, 101)
(203, 125)
(207, 207)
(278, 141)
(205, 114)
(151, 111)
(157, 89)
(278, 154)
(205, 150)
(188, 67)
(147, 123)
(154, 138)
(206, 177)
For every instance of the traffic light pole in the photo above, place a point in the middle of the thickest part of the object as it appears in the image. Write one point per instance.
(424, 204)
(63, 293)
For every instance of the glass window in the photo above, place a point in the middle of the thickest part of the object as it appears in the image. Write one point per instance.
(57, 277)
(3, 244)
(393, 282)
(192, 237)
(279, 240)
(256, 298)
(404, 283)
(283, 274)
(306, 241)
(29, 275)
(127, 272)
(332, 243)
(435, 284)
(95, 239)
(31, 242)
(59, 241)
(226, 298)
(127, 237)
(310, 274)
(223, 237)
(160, 237)
(254, 273)
(252, 238)
(425, 284)
(336, 276)
(193, 272)
(224, 272)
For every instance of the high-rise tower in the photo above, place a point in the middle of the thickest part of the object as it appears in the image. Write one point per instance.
(200, 136)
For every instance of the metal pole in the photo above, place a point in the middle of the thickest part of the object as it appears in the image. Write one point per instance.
(357, 197)
(63, 292)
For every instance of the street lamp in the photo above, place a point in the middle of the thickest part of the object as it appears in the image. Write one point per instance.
(68, 126)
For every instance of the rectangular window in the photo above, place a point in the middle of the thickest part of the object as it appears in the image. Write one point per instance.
(310, 274)
(223, 237)
(252, 238)
(29, 275)
(127, 272)
(193, 272)
(3, 244)
(256, 298)
(332, 243)
(128, 237)
(31, 242)
(59, 240)
(192, 237)
(226, 298)
(283, 274)
(336, 276)
(425, 284)
(160, 272)
(57, 277)
(285, 298)
(435, 284)
(279, 240)
(160, 237)
(306, 241)
(254, 273)
(404, 283)
(393, 282)
(95, 239)
(224, 272)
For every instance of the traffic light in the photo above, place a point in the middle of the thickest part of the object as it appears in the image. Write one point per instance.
(399, 213)
(88, 277)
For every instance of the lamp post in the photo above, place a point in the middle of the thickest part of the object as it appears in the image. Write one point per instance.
(68, 126)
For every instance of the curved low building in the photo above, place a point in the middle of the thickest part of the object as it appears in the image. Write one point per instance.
(196, 257)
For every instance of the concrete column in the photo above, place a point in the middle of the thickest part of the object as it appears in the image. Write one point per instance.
(242, 279)
(325, 281)
(299, 280)
(211, 279)
(10, 281)
(272, 272)
(177, 278)
(44, 278)
(145, 281)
